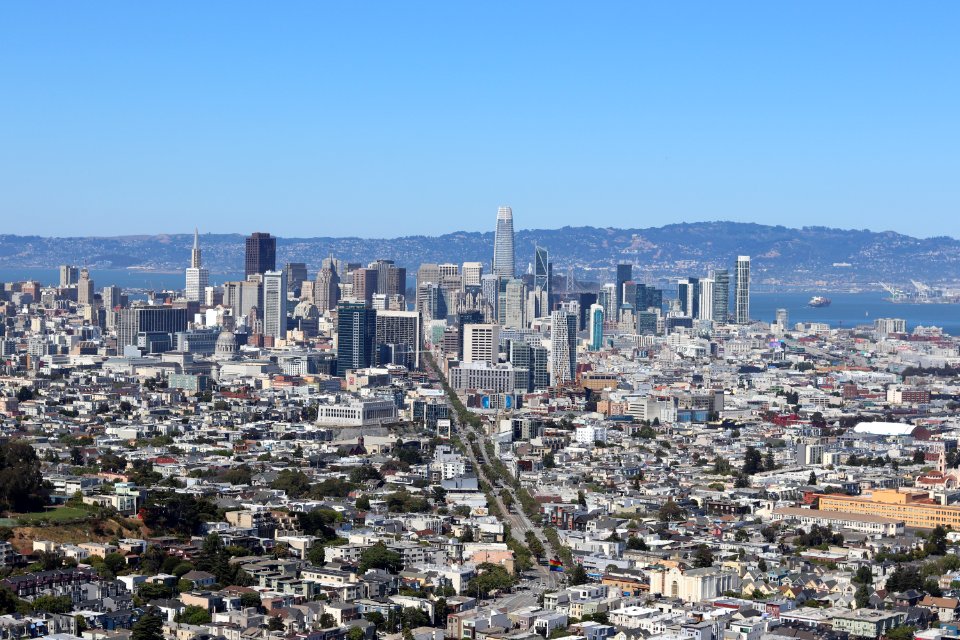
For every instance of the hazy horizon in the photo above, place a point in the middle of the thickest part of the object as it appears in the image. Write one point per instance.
(490, 231)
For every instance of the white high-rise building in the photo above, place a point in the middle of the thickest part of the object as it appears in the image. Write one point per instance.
(707, 299)
(742, 291)
(198, 278)
(563, 348)
(515, 299)
(783, 318)
(472, 273)
(481, 343)
(275, 304)
(503, 256)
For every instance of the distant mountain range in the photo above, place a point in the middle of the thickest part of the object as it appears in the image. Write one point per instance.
(782, 257)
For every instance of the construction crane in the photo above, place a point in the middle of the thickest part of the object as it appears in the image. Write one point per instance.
(923, 291)
(896, 295)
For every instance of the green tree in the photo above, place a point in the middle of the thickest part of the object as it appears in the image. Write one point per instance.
(294, 483)
(904, 632)
(151, 562)
(812, 480)
(752, 461)
(702, 557)
(492, 577)
(9, 602)
(148, 627)
(578, 575)
(534, 544)
(53, 604)
(671, 512)
(154, 591)
(251, 599)
(932, 587)
(440, 612)
(379, 557)
(637, 544)
(22, 488)
(936, 544)
(115, 563)
(193, 615)
(275, 624)
(316, 555)
(376, 618)
(769, 463)
(355, 633)
(863, 575)
(412, 618)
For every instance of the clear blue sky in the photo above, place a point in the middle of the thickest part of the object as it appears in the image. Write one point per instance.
(376, 119)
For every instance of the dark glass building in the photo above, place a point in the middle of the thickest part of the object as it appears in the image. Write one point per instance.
(356, 336)
(261, 253)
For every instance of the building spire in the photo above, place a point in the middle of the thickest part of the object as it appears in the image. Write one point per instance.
(195, 261)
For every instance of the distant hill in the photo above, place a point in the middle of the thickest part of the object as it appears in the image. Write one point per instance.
(782, 256)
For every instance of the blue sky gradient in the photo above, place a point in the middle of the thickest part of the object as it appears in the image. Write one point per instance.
(322, 118)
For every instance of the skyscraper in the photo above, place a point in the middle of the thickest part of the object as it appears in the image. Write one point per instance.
(472, 272)
(391, 279)
(85, 293)
(112, 297)
(783, 318)
(356, 336)
(326, 290)
(481, 343)
(721, 296)
(472, 316)
(707, 312)
(503, 256)
(607, 298)
(261, 253)
(624, 274)
(275, 304)
(149, 319)
(68, 275)
(563, 360)
(398, 338)
(515, 300)
(364, 284)
(197, 277)
(296, 276)
(542, 273)
(596, 327)
(742, 290)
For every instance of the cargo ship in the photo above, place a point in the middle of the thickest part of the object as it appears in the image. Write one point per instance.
(819, 301)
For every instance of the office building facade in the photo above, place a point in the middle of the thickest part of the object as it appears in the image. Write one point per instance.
(742, 291)
(261, 253)
(275, 304)
(596, 327)
(197, 278)
(356, 336)
(399, 334)
(563, 361)
(503, 253)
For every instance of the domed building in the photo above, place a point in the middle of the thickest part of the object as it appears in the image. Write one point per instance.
(226, 346)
